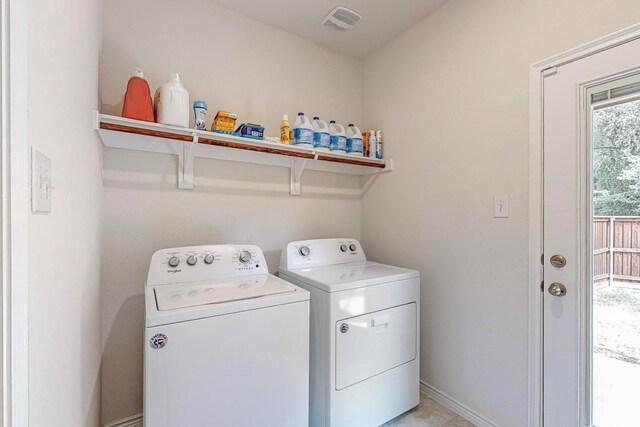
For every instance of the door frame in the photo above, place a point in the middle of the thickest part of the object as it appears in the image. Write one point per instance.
(537, 72)
(15, 205)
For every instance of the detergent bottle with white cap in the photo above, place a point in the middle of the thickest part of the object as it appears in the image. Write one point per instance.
(137, 100)
(354, 140)
(320, 134)
(302, 131)
(338, 139)
(172, 103)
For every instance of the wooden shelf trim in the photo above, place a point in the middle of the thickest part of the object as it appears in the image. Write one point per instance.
(147, 132)
(249, 145)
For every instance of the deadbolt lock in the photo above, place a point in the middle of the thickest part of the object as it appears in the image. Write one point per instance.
(558, 261)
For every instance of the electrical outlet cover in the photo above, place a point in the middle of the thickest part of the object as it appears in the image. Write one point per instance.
(40, 182)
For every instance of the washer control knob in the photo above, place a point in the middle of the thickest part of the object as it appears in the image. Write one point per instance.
(208, 259)
(343, 248)
(174, 261)
(352, 247)
(304, 250)
(192, 260)
(245, 257)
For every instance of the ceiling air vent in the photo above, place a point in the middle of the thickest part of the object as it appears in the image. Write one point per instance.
(341, 18)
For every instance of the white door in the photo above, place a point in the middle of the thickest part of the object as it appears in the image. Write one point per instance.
(567, 225)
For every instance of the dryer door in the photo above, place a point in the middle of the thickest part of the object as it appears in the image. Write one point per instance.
(373, 343)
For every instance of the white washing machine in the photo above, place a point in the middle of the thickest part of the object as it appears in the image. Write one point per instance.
(226, 343)
(364, 332)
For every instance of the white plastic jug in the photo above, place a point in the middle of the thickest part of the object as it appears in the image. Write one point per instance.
(321, 140)
(338, 139)
(302, 131)
(354, 141)
(171, 102)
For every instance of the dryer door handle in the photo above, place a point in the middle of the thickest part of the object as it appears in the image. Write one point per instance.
(380, 321)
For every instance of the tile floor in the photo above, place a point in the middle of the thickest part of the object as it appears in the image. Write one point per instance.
(429, 414)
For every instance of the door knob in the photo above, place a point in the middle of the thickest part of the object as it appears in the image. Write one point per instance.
(557, 289)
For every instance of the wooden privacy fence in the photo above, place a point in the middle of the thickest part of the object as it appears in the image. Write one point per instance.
(616, 250)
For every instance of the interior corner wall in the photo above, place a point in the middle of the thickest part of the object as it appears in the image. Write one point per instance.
(236, 64)
(451, 94)
(64, 245)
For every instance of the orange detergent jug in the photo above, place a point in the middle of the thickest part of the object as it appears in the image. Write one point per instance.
(137, 100)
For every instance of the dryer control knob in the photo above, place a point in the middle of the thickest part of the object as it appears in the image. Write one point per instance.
(174, 261)
(208, 259)
(192, 260)
(352, 247)
(343, 248)
(304, 251)
(245, 257)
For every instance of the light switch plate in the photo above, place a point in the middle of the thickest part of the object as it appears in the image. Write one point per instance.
(40, 182)
(501, 207)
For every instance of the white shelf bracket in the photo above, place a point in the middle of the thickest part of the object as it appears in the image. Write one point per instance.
(185, 165)
(373, 177)
(297, 167)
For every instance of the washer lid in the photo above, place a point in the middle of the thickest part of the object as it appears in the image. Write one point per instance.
(340, 277)
(181, 295)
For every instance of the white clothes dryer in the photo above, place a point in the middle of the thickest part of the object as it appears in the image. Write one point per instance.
(226, 343)
(364, 332)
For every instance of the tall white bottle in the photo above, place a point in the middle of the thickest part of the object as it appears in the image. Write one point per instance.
(373, 145)
(337, 137)
(171, 103)
(303, 131)
(355, 145)
(321, 138)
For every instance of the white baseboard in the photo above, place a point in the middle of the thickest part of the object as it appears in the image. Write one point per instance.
(134, 421)
(455, 406)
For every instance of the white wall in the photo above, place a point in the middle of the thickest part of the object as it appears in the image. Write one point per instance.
(451, 94)
(64, 246)
(233, 63)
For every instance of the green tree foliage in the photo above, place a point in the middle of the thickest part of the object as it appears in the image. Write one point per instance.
(616, 160)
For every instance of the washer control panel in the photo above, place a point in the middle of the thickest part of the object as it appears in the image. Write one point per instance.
(308, 253)
(198, 263)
